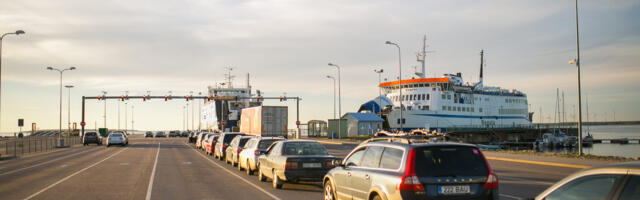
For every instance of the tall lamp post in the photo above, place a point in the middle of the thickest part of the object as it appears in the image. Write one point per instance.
(577, 62)
(379, 71)
(399, 81)
(60, 121)
(334, 95)
(69, 107)
(18, 32)
(192, 110)
(339, 102)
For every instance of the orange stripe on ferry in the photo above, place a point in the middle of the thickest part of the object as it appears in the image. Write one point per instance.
(418, 80)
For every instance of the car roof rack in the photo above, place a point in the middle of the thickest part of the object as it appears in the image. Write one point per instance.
(415, 136)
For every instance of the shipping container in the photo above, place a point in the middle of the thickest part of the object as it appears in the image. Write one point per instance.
(268, 121)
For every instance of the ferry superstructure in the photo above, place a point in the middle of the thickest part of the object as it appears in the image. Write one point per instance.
(446, 102)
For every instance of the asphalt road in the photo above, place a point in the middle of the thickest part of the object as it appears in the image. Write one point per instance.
(170, 168)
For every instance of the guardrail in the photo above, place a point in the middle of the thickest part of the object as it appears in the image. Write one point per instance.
(15, 147)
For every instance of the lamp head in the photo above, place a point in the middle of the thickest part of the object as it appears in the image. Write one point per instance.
(388, 42)
(50, 68)
(72, 68)
(331, 64)
(18, 32)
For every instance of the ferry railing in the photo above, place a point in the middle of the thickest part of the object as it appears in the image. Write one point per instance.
(16, 147)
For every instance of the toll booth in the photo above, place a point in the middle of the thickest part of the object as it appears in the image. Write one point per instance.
(317, 128)
(332, 130)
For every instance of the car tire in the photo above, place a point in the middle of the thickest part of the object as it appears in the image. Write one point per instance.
(277, 183)
(248, 169)
(329, 192)
(261, 177)
(376, 197)
(239, 167)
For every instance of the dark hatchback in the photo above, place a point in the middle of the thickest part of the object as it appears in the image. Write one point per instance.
(148, 134)
(91, 137)
(293, 161)
(219, 150)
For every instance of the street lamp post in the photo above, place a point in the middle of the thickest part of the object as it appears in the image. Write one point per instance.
(334, 95)
(192, 110)
(399, 81)
(18, 32)
(199, 113)
(339, 102)
(69, 107)
(126, 124)
(60, 120)
(379, 71)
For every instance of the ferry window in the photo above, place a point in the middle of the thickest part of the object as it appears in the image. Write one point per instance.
(444, 96)
(473, 109)
(444, 108)
(426, 107)
(459, 109)
(479, 109)
(449, 96)
(449, 108)
(427, 96)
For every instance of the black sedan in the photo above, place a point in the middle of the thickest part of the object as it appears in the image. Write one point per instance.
(293, 161)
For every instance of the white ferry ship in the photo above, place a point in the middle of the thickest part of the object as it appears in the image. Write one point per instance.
(446, 102)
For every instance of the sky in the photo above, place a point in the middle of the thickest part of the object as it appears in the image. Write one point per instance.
(285, 45)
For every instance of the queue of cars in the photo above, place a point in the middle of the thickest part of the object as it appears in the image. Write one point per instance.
(408, 167)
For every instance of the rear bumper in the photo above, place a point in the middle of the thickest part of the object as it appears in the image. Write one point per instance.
(303, 175)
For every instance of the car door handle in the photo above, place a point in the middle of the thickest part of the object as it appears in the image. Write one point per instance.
(349, 174)
(366, 177)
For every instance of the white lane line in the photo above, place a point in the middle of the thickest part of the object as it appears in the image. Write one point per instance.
(42, 163)
(65, 178)
(511, 197)
(153, 174)
(232, 173)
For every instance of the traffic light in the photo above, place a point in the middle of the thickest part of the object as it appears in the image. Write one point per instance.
(144, 98)
(187, 97)
(99, 97)
(281, 98)
(122, 98)
(166, 97)
(209, 98)
(258, 98)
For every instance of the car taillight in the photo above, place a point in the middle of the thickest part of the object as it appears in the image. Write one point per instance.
(256, 152)
(492, 181)
(329, 165)
(238, 150)
(409, 181)
(291, 165)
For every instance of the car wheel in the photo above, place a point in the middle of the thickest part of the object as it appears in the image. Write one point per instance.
(239, 167)
(329, 194)
(277, 183)
(261, 177)
(248, 169)
(376, 197)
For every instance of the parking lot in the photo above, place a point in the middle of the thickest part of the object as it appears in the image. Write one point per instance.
(171, 168)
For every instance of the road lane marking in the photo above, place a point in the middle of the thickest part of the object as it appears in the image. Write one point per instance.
(328, 142)
(538, 162)
(526, 181)
(230, 172)
(509, 196)
(153, 174)
(42, 163)
(68, 177)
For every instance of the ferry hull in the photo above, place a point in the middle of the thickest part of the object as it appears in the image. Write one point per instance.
(418, 119)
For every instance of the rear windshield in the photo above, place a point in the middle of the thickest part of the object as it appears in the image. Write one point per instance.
(243, 141)
(264, 144)
(116, 135)
(449, 162)
(228, 138)
(303, 148)
(90, 134)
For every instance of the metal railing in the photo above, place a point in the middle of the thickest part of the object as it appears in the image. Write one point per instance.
(15, 147)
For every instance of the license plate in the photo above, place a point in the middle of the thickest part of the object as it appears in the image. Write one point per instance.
(311, 165)
(454, 189)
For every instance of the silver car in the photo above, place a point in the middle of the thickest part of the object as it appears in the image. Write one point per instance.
(248, 158)
(117, 138)
(409, 169)
(612, 181)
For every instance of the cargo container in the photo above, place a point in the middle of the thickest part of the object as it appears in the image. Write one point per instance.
(268, 121)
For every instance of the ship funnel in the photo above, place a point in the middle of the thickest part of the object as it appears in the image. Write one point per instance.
(478, 85)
